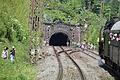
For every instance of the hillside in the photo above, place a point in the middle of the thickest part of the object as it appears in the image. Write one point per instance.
(94, 13)
(14, 32)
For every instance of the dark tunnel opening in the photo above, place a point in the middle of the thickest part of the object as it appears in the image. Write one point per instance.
(59, 39)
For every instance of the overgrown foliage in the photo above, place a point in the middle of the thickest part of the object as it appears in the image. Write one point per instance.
(14, 32)
(11, 29)
(94, 13)
(14, 19)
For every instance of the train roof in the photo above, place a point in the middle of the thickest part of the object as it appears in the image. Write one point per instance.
(116, 26)
(112, 24)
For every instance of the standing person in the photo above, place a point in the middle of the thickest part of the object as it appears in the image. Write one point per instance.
(12, 54)
(5, 53)
(83, 45)
(67, 43)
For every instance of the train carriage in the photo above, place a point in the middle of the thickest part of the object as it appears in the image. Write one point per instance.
(114, 45)
(109, 45)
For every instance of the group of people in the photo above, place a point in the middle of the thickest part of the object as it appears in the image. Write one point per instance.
(86, 45)
(5, 54)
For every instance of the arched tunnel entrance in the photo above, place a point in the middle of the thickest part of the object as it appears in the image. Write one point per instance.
(59, 39)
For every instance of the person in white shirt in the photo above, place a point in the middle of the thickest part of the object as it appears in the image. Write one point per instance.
(5, 53)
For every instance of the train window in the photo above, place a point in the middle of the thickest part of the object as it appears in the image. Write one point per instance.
(118, 37)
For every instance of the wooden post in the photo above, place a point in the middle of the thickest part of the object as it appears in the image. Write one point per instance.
(35, 23)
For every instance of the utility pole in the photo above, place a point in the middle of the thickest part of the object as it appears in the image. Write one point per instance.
(35, 23)
(89, 5)
(102, 8)
(41, 14)
(41, 19)
(119, 9)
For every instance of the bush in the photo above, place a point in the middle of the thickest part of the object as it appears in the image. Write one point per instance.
(10, 28)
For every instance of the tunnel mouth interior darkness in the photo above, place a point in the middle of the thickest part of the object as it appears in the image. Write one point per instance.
(59, 39)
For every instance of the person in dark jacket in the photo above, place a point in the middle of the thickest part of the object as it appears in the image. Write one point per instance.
(12, 54)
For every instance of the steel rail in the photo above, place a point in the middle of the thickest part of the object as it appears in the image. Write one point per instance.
(92, 52)
(60, 73)
(79, 69)
(89, 54)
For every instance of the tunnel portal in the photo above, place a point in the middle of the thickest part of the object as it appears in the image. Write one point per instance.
(59, 39)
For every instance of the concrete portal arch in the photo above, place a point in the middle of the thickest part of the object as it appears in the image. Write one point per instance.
(60, 38)
(71, 31)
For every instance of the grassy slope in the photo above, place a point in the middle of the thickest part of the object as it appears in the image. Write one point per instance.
(21, 70)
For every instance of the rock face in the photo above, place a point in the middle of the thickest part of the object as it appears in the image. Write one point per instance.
(48, 67)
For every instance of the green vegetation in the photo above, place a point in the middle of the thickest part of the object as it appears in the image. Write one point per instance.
(21, 69)
(92, 12)
(14, 27)
(14, 32)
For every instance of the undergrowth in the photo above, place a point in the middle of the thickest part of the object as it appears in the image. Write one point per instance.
(21, 69)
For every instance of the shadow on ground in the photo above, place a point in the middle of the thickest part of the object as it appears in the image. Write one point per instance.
(112, 72)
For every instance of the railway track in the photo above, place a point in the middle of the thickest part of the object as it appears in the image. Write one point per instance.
(108, 68)
(90, 53)
(60, 73)
(105, 66)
